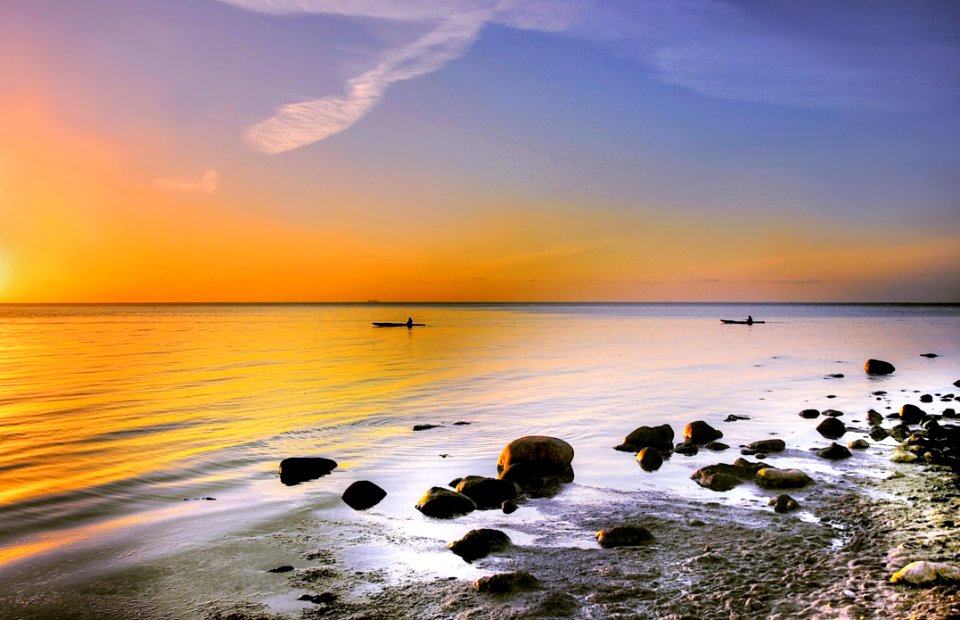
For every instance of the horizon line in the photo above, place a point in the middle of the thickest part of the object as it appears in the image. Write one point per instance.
(374, 302)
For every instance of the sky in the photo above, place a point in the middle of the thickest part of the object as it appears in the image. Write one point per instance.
(479, 150)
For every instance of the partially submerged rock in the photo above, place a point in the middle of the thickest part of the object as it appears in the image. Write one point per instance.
(832, 428)
(924, 573)
(650, 459)
(659, 437)
(771, 478)
(537, 463)
(834, 452)
(507, 583)
(623, 536)
(686, 448)
(810, 413)
(878, 367)
(878, 433)
(911, 414)
(764, 445)
(295, 470)
(443, 503)
(723, 476)
(858, 444)
(480, 543)
(488, 493)
(783, 503)
(699, 432)
(363, 494)
(903, 456)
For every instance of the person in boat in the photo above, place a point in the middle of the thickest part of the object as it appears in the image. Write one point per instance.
(409, 321)
(749, 320)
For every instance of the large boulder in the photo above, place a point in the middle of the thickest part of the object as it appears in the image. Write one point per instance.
(295, 470)
(479, 543)
(488, 493)
(832, 428)
(723, 476)
(537, 463)
(443, 503)
(658, 437)
(363, 494)
(623, 536)
(699, 432)
(878, 367)
(911, 414)
(770, 478)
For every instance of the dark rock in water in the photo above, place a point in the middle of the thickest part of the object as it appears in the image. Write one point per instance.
(878, 433)
(858, 444)
(926, 398)
(949, 412)
(507, 583)
(363, 494)
(832, 428)
(686, 448)
(878, 367)
(461, 423)
(716, 446)
(810, 413)
(488, 493)
(508, 507)
(832, 413)
(699, 432)
(900, 432)
(911, 414)
(874, 418)
(879, 393)
(659, 437)
(836, 375)
(623, 536)
(734, 418)
(453, 483)
(319, 599)
(723, 477)
(537, 463)
(425, 427)
(295, 470)
(784, 503)
(286, 568)
(770, 478)
(443, 503)
(929, 355)
(956, 383)
(765, 445)
(834, 452)
(650, 459)
(479, 543)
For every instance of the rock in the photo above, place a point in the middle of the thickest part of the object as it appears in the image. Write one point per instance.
(699, 432)
(425, 427)
(902, 456)
(659, 437)
(453, 483)
(686, 448)
(319, 599)
(295, 470)
(832, 428)
(507, 583)
(716, 446)
(834, 452)
(508, 507)
(783, 503)
(723, 477)
(911, 414)
(900, 432)
(363, 494)
(623, 536)
(836, 375)
(443, 503)
(858, 444)
(488, 493)
(878, 367)
(878, 433)
(810, 413)
(479, 543)
(956, 383)
(286, 568)
(770, 478)
(924, 573)
(949, 412)
(650, 459)
(832, 413)
(929, 355)
(462, 423)
(542, 455)
(766, 445)
(874, 418)
(733, 418)
(926, 398)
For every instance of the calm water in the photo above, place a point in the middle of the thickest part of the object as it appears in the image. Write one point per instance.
(112, 416)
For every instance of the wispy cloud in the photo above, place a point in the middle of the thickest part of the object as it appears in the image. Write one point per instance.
(208, 183)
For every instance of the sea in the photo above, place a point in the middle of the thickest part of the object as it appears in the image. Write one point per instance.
(131, 432)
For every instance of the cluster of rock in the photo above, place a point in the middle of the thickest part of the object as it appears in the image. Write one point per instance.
(360, 495)
(653, 444)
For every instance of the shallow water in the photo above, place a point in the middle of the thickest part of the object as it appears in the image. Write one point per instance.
(112, 416)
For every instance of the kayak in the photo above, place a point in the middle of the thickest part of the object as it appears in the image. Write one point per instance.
(734, 322)
(388, 324)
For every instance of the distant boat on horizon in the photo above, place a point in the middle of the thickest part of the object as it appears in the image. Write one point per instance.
(408, 323)
(741, 322)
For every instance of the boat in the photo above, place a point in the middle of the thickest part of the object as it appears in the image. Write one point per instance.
(389, 324)
(737, 322)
